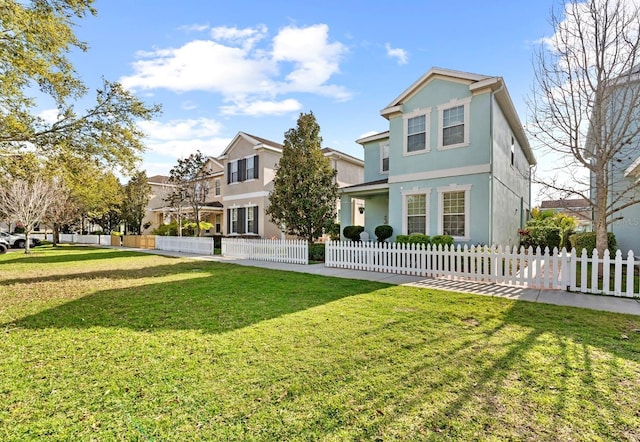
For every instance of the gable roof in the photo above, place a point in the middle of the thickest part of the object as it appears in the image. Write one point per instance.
(159, 179)
(256, 141)
(329, 152)
(476, 82)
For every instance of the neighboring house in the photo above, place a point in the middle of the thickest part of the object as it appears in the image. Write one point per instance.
(250, 163)
(454, 161)
(210, 184)
(577, 208)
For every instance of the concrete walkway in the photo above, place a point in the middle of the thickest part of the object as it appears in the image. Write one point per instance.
(555, 297)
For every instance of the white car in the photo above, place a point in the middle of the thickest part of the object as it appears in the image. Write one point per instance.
(16, 240)
(4, 246)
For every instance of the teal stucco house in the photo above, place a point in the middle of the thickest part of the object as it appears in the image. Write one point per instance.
(454, 161)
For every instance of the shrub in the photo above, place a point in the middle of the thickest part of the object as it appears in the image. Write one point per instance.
(587, 241)
(540, 235)
(383, 232)
(402, 239)
(170, 229)
(419, 238)
(316, 252)
(353, 232)
(333, 230)
(441, 240)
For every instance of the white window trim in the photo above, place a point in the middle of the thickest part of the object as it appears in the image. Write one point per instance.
(441, 108)
(382, 146)
(467, 206)
(427, 132)
(417, 191)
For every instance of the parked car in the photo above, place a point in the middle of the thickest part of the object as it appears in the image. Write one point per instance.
(4, 246)
(18, 240)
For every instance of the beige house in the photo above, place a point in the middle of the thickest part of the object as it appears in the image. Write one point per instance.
(237, 186)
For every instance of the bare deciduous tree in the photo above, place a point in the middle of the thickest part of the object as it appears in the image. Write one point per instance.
(27, 202)
(584, 104)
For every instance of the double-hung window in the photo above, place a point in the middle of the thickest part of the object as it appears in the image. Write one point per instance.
(454, 124)
(384, 157)
(243, 169)
(242, 220)
(217, 186)
(416, 211)
(454, 211)
(416, 131)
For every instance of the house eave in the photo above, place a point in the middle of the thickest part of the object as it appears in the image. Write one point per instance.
(375, 137)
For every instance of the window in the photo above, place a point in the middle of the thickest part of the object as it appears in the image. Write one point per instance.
(243, 220)
(454, 124)
(384, 157)
(453, 214)
(251, 224)
(217, 187)
(218, 223)
(513, 151)
(249, 169)
(416, 134)
(233, 172)
(416, 129)
(243, 169)
(454, 211)
(415, 211)
(234, 220)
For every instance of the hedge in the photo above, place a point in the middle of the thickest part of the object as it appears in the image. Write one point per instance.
(587, 241)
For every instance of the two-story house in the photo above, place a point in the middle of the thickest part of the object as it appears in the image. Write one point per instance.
(455, 161)
(250, 163)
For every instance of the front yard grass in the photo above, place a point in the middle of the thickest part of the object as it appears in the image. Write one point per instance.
(101, 344)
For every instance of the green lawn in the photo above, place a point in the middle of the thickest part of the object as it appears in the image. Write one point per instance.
(101, 344)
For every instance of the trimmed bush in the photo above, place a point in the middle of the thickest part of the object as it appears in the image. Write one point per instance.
(316, 252)
(442, 240)
(353, 232)
(402, 239)
(540, 235)
(419, 238)
(587, 240)
(383, 232)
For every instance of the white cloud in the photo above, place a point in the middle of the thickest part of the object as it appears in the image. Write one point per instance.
(180, 138)
(400, 54)
(245, 67)
(245, 38)
(315, 59)
(49, 116)
(258, 108)
(202, 65)
(193, 28)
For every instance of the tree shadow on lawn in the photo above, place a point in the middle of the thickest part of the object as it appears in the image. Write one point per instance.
(583, 372)
(215, 298)
(80, 253)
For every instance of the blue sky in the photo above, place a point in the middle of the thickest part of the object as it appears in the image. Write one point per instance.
(222, 67)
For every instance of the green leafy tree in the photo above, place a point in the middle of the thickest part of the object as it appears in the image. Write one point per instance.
(191, 189)
(136, 196)
(35, 38)
(304, 194)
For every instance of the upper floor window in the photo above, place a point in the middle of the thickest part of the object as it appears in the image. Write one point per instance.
(233, 172)
(454, 124)
(217, 187)
(243, 169)
(513, 152)
(416, 131)
(384, 157)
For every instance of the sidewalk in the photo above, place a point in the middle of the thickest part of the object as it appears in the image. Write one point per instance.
(555, 297)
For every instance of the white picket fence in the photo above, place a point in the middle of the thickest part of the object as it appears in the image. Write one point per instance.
(543, 269)
(185, 244)
(75, 238)
(285, 251)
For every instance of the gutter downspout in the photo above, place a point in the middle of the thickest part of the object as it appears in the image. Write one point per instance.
(491, 168)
